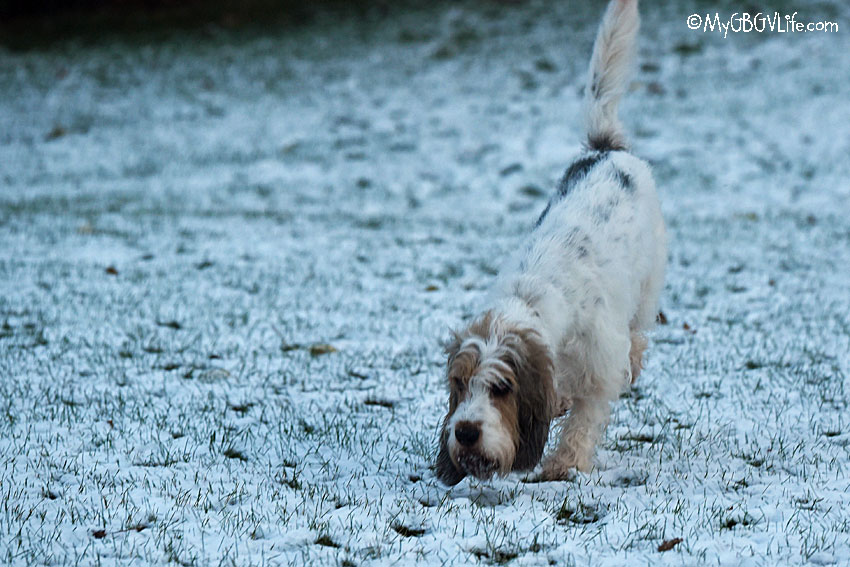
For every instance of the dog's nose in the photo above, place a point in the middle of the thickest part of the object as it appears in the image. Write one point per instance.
(467, 433)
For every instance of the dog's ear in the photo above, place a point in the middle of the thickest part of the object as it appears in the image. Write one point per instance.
(446, 469)
(535, 400)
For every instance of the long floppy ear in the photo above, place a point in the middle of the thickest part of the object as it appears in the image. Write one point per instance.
(446, 469)
(535, 400)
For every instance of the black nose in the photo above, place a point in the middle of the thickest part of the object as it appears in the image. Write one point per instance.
(467, 433)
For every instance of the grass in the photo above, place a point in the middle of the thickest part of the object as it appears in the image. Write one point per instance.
(222, 298)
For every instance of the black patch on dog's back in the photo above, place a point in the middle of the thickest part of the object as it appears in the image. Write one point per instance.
(577, 171)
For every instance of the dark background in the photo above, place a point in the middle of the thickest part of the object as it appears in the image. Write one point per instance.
(25, 24)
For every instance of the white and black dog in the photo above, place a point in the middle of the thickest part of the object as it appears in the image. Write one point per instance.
(565, 327)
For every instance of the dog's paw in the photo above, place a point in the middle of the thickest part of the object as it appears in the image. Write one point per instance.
(564, 465)
(555, 469)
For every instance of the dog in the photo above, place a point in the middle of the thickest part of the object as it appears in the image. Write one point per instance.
(565, 328)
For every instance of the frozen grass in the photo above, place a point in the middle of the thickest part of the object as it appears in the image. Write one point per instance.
(227, 261)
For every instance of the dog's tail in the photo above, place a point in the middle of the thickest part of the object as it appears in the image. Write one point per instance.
(610, 66)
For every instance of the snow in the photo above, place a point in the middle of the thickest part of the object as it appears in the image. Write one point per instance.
(356, 182)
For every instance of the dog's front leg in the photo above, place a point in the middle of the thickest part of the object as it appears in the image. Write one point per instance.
(579, 436)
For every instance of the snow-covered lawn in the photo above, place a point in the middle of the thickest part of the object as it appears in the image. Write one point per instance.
(228, 258)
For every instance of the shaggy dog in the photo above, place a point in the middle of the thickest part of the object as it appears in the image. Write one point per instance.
(565, 328)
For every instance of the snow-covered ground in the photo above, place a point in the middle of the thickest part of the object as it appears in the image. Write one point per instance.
(227, 261)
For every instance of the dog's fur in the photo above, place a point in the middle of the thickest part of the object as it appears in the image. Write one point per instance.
(565, 328)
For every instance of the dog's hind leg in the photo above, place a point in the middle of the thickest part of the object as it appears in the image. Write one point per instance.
(639, 343)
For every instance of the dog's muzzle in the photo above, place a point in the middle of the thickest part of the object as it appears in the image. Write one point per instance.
(468, 455)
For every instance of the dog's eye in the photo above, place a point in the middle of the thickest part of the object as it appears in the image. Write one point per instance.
(500, 389)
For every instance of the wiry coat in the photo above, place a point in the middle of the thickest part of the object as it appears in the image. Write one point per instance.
(567, 314)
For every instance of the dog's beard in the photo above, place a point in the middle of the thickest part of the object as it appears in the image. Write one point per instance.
(476, 464)
(494, 455)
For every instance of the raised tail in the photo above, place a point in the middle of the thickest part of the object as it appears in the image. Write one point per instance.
(610, 65)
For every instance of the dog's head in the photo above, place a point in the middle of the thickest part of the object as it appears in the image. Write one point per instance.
(500, 401)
